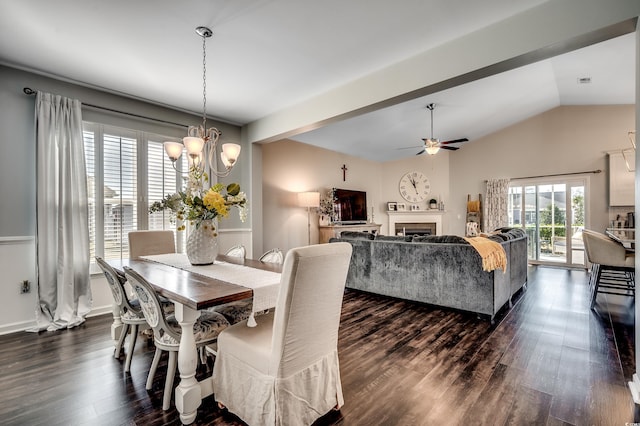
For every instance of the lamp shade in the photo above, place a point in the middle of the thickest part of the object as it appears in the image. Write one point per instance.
(173, 149)
(194, 145)
(230, 153)
(309, 199)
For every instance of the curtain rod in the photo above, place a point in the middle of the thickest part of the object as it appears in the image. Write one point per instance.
(29, 91)
(558, 174)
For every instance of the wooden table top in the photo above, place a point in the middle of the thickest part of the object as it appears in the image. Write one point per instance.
(189, 288)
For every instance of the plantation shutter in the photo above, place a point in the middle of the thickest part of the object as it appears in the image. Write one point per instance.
(162, 179)
(127, 170)
(120, 191)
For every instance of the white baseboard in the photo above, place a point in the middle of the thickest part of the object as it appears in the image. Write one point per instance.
(24, 325)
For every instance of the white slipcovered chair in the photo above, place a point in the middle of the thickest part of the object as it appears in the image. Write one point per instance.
(167, 331)
(612, 266)
(285, 371)
(149, 242)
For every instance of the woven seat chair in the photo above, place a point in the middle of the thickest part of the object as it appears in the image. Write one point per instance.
(130, 313)
(167, 331)
(612, 266)
(272, 256)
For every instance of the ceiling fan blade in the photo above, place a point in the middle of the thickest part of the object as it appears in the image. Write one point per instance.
(411, 147)
(455, 141)
(450, 148)
(421, 152)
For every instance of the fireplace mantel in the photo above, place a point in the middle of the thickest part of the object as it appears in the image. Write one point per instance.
(420, 216)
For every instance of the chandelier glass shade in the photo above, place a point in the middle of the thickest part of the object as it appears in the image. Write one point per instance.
(201, 143)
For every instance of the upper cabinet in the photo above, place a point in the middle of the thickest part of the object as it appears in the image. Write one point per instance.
(622, 178)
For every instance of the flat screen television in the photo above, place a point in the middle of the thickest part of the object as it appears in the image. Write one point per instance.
(350, 206)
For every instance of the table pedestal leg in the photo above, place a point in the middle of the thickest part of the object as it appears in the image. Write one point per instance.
(188, 394)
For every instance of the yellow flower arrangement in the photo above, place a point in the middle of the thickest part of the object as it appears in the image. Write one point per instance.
(196, 204)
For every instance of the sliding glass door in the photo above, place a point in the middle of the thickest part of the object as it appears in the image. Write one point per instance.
(553, 215)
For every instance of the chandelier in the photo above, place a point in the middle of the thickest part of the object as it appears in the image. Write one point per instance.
(200, 142)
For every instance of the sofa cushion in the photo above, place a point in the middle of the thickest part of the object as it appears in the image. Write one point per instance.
(357, 235)
(454, 239)
(405, 238)
(517, 232)
(499, 237)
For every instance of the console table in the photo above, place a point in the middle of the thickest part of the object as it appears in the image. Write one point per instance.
(333, 231)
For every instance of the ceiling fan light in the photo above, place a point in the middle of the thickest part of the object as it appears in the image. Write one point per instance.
(432, 150)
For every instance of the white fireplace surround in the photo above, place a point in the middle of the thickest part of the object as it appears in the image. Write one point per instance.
(421, 216)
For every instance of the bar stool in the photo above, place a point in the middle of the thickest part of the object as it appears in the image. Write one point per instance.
(613, 267)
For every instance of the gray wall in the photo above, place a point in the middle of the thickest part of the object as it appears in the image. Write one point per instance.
(17, 138)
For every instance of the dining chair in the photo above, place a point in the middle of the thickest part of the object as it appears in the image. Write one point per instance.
(237, 251)
(612, 266)
(150, 242)
(285, 370)
(167, 331)
(130, 313)
(272, 256)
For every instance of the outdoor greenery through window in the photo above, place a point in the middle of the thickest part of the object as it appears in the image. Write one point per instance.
(553, 215)
(126, 172)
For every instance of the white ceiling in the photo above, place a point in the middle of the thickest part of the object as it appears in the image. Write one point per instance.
(268, 55)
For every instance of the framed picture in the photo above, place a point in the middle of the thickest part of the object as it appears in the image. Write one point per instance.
(392, 206)
(415, 207)
(402, 207)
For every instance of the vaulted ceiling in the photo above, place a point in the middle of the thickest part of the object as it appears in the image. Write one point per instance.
(271, 55)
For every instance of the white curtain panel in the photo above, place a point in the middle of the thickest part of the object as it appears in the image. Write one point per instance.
(497, 205)
(62, 228)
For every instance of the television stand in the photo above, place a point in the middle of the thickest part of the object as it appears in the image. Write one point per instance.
(333, 231)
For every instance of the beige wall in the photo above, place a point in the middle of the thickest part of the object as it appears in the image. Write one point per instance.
(562, 140)
(290, 167)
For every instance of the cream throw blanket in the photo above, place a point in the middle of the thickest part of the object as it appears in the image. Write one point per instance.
(492, 254)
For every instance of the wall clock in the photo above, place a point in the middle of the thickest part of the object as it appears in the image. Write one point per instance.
(414, 187)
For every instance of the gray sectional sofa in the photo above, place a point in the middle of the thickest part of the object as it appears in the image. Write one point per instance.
(439, 270)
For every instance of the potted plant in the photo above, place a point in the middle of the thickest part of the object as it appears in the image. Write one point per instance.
(433, 203)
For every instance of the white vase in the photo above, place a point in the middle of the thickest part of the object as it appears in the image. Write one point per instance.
(202, 245)
(323, 220)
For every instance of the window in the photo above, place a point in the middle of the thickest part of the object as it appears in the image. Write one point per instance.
(126, 171)
(552, 211)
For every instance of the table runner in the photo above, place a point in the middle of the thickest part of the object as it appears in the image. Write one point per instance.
(265, 284)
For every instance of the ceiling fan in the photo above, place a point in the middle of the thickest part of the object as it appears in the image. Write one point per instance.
(433, 145)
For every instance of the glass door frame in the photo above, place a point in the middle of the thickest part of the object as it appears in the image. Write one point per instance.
(570, 182)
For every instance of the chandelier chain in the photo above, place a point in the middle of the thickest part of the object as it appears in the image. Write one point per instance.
(204, 83)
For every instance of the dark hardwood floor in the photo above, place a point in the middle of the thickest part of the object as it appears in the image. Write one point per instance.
(549, 360)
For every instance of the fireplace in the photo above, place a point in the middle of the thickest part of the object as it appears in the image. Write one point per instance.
(415, 228)
(421, 222)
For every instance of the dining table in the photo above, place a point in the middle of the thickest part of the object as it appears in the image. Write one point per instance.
(193, 288)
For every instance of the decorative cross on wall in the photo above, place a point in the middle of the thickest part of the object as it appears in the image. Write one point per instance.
(344, 172)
